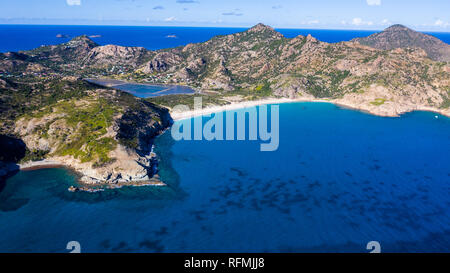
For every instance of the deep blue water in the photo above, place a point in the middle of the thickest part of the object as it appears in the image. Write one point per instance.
(144, 90)
(340, 179)
(25, 37)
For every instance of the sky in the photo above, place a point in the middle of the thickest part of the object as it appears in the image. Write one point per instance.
(430, 15)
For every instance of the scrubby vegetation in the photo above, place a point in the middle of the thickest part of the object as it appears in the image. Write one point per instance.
(33, 155)
(90, 123)
(378, 102)
(446, 102)
(82, 114)
(30, 98)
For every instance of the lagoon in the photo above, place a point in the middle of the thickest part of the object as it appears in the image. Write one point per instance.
(143, 90)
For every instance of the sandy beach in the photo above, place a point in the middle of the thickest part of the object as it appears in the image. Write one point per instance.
(234, 106)
(42, 164)
(389, 111)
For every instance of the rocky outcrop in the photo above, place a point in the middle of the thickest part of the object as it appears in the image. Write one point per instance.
(219, 79)
(116, 55)
(127, 167)
(117, 149)
(162, 62)
(399, 36)
(72, 52)
(263, 31)
(307, 67)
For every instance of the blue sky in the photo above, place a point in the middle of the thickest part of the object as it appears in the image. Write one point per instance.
(428, 15)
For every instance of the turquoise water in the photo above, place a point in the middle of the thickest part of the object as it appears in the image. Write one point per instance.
(340, 179)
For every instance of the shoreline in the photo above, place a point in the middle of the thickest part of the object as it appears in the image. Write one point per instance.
(41, 164)
(87, 187)
(176, 116)
(232, 106)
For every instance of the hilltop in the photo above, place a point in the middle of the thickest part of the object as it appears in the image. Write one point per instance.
(261, 62)
(399, 36)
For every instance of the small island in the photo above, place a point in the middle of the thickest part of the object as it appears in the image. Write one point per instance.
(62, 36)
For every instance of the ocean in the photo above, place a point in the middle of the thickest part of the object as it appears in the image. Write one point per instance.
(25, 37)
(340, 179)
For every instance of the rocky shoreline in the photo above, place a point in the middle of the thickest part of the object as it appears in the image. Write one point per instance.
(154, 182)
(87, 183)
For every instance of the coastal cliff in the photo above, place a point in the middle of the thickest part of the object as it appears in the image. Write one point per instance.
(104, 135)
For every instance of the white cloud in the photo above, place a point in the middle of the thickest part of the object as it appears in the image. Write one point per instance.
(313, 22)
(386, 22)
(360, 22)
(437, 24)
(73, 2)
(357, 21)
(233, 13)
(170, 19)
(373, 2)
(440, 23)
(310, 22)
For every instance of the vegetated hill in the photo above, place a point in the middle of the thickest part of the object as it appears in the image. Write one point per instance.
(71, 52)
(80, 56)
(399, 36)
(261, 61)
(105, 134)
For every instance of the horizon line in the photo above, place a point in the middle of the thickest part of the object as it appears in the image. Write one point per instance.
(233, 27)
